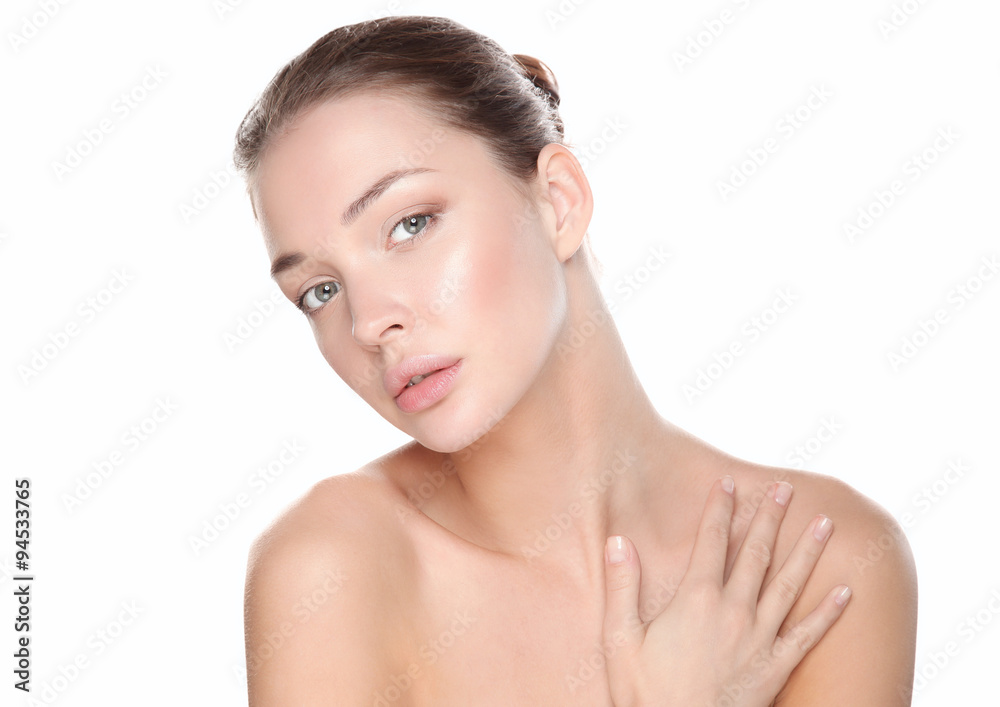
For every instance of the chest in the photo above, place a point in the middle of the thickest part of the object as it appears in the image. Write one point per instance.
(485, 633)
(502, 642)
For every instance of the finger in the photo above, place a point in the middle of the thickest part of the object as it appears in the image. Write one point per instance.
(756, 552)
(791, 648)
(784, 589)
(708, 558)
(622, 625)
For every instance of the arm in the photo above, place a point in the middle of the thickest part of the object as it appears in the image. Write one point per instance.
(867, 657)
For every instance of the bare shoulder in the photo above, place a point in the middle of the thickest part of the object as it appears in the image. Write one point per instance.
(866, 658)
(868, 549)
(322, 611)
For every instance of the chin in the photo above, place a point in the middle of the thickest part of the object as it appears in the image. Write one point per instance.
(456, 431)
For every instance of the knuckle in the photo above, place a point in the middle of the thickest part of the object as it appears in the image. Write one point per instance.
(739, 618)
(716, 530)
(620, 581)
(703, 593)
(787, 588)
(759, 551)
(801, 638)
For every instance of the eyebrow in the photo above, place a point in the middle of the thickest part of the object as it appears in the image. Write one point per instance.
(285, 262)
(351, 213)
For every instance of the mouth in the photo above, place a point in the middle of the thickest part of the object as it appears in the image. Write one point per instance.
(413, 371)
(424, 390)
(419, 382)
(418, 378)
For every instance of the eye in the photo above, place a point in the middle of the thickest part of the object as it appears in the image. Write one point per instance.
(317, 295)
(410, 227)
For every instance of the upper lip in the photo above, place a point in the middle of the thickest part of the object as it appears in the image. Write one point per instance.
(398, 376)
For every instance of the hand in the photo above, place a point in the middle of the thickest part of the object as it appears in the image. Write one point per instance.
(716, 642)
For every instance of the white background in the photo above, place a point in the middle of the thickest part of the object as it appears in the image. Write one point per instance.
(144, 201)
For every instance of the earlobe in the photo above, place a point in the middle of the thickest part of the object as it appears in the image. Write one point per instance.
(568, 191)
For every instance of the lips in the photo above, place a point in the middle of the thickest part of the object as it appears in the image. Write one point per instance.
(396, 378)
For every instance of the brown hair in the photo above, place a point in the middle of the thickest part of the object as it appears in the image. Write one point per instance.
(467, 80)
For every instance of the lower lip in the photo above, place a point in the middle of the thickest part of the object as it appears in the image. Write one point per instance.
(428, 391)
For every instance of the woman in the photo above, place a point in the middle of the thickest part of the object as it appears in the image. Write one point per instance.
(419, 206)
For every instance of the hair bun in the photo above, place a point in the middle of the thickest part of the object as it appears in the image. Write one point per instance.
(540, 74)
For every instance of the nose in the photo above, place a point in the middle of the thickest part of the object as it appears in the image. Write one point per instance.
(378, 314)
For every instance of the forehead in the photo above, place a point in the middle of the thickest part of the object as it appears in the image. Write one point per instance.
(337, 149)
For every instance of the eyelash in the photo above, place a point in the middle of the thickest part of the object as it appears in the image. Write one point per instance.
(431, 219)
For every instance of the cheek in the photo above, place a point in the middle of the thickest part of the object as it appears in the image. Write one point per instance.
(515, 289)
(357, 369)
(438, 290)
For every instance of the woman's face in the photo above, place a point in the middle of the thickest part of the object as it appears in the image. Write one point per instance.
(446, 265)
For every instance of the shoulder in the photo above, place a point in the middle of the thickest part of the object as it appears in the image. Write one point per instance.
(321, 609)
(338, 526)
(868, 547)
(866, 658)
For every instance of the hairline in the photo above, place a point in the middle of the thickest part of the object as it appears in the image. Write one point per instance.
(521, 186)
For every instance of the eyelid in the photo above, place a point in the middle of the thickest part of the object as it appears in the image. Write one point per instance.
(431, 209)
(300, 298)
(432, 219)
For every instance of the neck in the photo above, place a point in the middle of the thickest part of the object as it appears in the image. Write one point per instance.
(572, 462)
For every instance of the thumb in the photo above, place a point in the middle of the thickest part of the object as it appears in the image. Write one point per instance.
(622, 571)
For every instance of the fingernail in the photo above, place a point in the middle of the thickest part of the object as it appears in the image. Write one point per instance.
(782, 492)
(616, 550)
(728, 484)
(822, 530)
(842, 596)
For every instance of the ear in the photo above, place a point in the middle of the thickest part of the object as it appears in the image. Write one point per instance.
(565, 186)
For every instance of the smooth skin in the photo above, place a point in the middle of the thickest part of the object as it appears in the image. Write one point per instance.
(468, 566)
